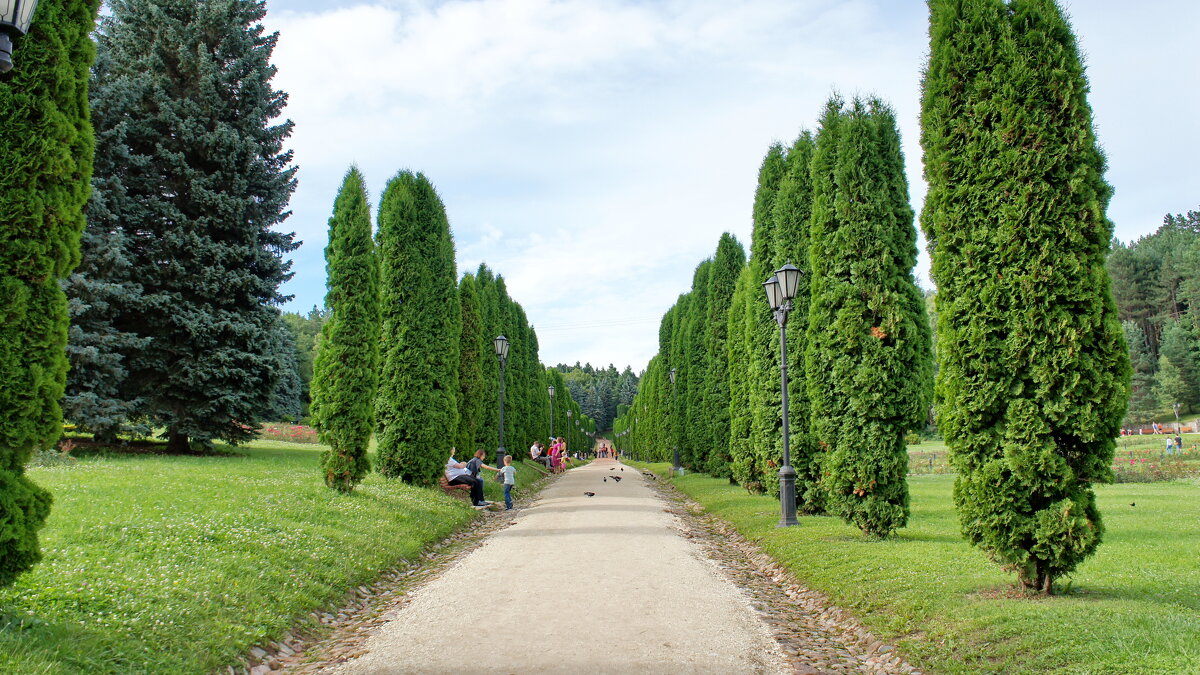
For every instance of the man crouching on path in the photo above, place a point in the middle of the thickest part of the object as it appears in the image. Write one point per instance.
(457, 473)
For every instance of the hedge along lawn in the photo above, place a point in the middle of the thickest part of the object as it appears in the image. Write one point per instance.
(1134, 607)
(180, 564)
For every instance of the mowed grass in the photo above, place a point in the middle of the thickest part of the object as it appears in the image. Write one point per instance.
(1134, 607)
(161, 564)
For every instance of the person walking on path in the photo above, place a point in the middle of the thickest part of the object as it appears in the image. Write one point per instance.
(510, 479)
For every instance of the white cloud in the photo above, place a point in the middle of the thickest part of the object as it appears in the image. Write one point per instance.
(592, 151)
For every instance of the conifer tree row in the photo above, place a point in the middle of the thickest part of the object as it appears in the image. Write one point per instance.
(46, 147)
(1033, 371)
(871, 326)
(346, 366)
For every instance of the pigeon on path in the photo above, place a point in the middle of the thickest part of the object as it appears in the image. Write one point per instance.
(617, 478)
(590, 494)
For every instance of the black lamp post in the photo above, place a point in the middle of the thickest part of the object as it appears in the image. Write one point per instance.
(780, 289)
(551, 390)
(15, 17)
(501, 345)
(674, 431)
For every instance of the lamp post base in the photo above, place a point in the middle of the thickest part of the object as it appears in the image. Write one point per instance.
(787, 496)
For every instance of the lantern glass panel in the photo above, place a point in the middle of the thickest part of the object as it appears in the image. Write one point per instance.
(501, 345)
(789, 279)
(17, 13)
(774, 292)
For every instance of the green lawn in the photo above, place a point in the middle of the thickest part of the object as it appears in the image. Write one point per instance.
(180, 564)
(1132, 608)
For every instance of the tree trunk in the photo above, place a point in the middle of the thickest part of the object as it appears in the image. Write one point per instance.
(177, 443)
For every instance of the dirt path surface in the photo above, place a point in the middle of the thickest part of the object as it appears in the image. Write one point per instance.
(579, 584)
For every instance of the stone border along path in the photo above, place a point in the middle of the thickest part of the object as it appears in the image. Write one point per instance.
(635, 579)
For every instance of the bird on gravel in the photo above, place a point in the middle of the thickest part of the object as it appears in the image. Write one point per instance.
(617, 478)
(622, 468)
(606, 479)
(612, 468)
(590, 494)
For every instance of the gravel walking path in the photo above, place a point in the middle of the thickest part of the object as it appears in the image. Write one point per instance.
(578, 584)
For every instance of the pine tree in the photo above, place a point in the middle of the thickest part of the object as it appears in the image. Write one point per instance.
(722, 281)
(286, 399)
(792, 213)
(1143, 395)
(1033, 372)
(97, 349)
(187, 115)
(417, 404)
(1180, 347)
(46, 147)
(868, 359)
(345, 371)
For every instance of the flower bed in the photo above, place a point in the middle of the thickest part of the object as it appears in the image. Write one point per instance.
(293, 433)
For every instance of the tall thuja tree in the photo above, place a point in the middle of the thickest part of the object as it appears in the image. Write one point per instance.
(205, 182)
(1033, 371)
(491, 312)
(417, 404)
(766, 420)
(792, 212)
(346, 368)
(722, 280)
(868, 356)
(696, 446)
(743, 467)
(46, 147)
(471, 366)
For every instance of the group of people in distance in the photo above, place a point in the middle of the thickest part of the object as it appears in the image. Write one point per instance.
(555, 458)
(467, 473)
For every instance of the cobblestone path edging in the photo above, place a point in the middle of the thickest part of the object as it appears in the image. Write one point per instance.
(814, 635)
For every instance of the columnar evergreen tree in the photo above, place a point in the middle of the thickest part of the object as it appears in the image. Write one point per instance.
(346, 368)
(417, 404)
(766, 415)
(727, 264)
(46, 147)
(743, 466)
(1033, 372)
(695, 328)
(492, 314)
(471, 381)
(868, 357)
(792, 213)
(205, 182)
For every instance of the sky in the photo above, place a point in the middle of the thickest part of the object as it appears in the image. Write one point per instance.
(593, 151)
